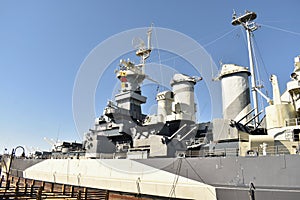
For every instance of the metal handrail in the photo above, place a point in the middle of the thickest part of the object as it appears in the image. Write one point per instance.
(255, 151)
(292, 122)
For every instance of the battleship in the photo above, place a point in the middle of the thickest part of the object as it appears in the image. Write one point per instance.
(247, 154)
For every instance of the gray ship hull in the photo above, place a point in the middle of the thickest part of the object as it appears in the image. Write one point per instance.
(274, 177)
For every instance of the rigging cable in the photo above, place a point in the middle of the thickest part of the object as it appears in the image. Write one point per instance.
(264, 66)
(175, 181)
(261, 58)
(244, 37)
(198, 175)
(215, 40)
(280, 29)
(196, 49)
(258, 77)
(159, 57)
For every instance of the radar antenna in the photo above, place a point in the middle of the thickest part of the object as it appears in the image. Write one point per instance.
(138, 44)
(143, 51)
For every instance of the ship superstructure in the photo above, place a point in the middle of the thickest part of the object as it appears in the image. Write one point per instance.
(124, 131)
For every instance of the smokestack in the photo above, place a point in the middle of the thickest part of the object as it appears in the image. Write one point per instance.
(235, 91)
(184, 102)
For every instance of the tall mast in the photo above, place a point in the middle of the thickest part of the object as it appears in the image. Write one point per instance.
(143, 51)
(246, 21)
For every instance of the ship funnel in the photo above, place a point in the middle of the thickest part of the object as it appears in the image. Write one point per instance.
(235, 91)
(184, 107)
(164, 104)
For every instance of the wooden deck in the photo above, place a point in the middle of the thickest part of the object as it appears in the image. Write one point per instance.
(19, 188)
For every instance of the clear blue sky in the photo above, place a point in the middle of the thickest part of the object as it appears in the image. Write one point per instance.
(43, 44)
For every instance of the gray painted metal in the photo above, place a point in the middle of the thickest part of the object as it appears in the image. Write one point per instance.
(274, 177)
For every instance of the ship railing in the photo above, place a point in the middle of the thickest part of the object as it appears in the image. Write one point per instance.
(292, 122)
(195, 141)
(227, 152)
(117, 155)
(272, 150)
(255, 151)
(215, 153)
(120, 155)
